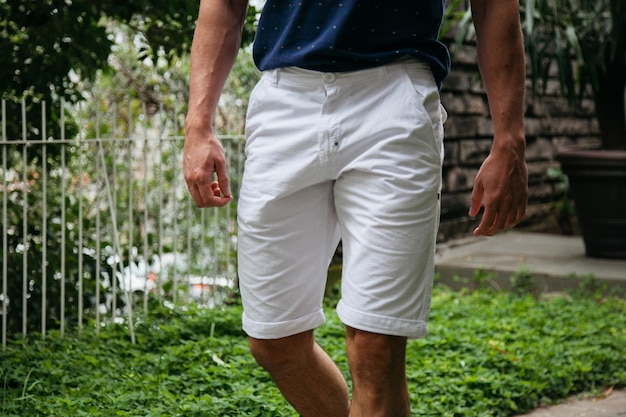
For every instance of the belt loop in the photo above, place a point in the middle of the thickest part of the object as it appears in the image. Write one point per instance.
(275, 74)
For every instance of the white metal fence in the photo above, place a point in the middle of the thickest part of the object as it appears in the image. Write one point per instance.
(96, 217)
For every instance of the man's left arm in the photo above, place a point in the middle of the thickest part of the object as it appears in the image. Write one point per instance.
(501, 185)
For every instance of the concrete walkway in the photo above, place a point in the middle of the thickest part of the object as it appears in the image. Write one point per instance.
(614, 405)
(556, 263)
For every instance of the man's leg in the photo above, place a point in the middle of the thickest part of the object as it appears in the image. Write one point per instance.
(377, 365)
(307, 377)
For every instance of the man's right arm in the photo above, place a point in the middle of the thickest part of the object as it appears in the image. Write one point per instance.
(215, 45)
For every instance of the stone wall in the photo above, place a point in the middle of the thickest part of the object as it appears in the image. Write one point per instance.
(549, 123)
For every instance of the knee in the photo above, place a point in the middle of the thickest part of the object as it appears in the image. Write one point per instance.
(276, 355)
(384, 346)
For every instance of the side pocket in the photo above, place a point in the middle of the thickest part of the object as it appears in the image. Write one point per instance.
(428, 100)
(252, 111)
(444, 114)
(440, 131)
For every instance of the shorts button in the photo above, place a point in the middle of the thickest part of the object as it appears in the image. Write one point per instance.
(328, 77)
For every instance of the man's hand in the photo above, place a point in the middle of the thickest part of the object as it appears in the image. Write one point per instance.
(203, 156)
(501, 185)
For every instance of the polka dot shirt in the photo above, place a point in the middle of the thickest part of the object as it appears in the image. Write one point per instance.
(347, 35)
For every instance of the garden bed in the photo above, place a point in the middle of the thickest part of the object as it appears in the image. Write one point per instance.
(488, 354)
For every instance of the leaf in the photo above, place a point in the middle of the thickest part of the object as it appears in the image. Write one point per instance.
(219, 361)
(530, 16)
(573, 41)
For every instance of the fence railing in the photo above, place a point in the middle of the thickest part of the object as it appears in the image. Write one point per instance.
(96, 217)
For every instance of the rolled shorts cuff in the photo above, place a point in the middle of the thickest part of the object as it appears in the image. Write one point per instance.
(277, 330)
(412, 329)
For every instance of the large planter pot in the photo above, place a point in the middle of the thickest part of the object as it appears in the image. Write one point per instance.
(598, 185)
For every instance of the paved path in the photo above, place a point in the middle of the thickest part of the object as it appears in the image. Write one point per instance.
(552, 260)
(614, 405)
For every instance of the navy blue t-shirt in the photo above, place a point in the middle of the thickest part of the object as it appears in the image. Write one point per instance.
(348, 35)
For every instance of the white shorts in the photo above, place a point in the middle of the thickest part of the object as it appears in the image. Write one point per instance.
(355, 156)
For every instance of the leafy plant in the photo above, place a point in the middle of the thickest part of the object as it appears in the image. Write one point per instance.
(588, 40)
(70, 268)
(488, 353)
(146, 77)
(564, 208)
(590, 286)
(522, 281)
(484, 279)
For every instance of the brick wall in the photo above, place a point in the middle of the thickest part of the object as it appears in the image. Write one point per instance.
(550, 123)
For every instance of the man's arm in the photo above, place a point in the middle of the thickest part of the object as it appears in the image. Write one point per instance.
(502, 182)
(215, 45)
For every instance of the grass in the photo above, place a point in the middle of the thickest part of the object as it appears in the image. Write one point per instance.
(488, 354)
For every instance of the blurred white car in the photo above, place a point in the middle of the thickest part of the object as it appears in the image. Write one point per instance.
(141, 277)
(137, 277)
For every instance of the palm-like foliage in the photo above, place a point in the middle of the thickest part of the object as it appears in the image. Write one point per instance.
(588, 40)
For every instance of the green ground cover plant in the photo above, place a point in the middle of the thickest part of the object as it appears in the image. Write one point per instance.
(489, 353)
